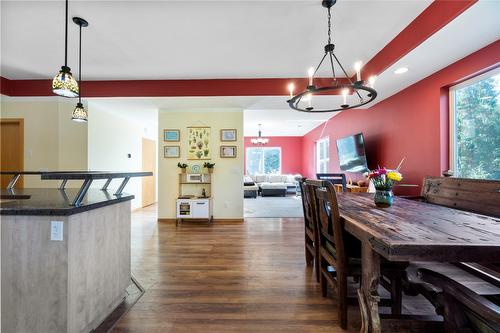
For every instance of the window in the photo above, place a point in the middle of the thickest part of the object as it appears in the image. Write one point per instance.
(263, 160)
(475, 127)
(322, 155)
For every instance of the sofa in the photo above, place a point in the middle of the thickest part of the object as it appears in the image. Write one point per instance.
(271, 185)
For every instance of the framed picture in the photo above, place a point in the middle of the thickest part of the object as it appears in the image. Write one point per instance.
(199, 143)
(172, 135)
(228, 135)
(228, 151)
(171, 151)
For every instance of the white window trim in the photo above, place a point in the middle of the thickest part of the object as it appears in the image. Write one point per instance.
(267, 148)
(318, 160)
(452, 124)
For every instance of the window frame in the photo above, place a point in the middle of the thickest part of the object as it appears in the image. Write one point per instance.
(452, 162)
(319, 161)
(264, 148)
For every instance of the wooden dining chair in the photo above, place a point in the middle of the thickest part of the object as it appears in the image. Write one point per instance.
(340, 252)
(463, 310)
(311, 233)
(334, 178)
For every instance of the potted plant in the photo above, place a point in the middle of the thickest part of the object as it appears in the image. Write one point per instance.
(383, 179)
(209, 166)
(182, 166)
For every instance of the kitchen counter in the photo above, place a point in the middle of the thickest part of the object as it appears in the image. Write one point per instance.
(52, 201)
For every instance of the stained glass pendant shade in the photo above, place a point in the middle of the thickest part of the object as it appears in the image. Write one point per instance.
(79, 113)
(64, 84)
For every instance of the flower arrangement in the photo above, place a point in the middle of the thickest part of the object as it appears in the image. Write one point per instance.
(383, 179)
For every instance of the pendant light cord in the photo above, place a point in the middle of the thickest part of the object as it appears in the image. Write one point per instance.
(80, 66)
(66, 37)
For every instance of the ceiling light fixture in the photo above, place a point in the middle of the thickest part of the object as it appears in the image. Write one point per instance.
(64, 84)
(365, 93)
(401, 70)
(260, 140)
(79, 113)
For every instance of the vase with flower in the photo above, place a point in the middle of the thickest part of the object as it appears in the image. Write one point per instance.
(383, 179)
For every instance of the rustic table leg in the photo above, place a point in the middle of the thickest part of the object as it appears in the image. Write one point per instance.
(369, 294)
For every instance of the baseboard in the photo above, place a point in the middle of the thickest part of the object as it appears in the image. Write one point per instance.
(167, 220)
(171, 220)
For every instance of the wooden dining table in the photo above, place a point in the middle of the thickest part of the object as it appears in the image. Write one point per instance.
(412, 231)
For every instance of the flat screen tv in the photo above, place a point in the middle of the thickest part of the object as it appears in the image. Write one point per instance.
(351, 152)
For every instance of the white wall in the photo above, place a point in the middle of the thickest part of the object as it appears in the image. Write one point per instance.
(111, 139)
(227, 179)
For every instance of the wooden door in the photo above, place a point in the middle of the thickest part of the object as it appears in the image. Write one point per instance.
(148, 164)
(11, 149)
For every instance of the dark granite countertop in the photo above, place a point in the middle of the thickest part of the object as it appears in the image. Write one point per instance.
(52, 201)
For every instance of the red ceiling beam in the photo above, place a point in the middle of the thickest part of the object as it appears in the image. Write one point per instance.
(165, 88)
(431, 20)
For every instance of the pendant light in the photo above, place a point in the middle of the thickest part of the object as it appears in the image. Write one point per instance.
(259, 140)
(362, 94)
(79, 113)
(63, 83)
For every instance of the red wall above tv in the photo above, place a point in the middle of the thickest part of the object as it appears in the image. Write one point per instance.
(411, 124)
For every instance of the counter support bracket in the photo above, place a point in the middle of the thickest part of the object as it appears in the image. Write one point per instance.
(81, 193)
(13, 181)
(106, 184)
(122, 186)
(63, 184)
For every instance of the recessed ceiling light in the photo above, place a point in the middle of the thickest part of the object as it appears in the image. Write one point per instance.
(401, 70)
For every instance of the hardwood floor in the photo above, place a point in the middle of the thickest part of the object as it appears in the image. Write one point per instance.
(228, 277)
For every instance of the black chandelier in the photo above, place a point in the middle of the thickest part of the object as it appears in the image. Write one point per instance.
(364, 94)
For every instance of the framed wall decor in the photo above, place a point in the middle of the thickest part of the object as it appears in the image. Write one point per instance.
(199, 143)
(228, 135)
(171, 151)
(228, 151)
(171, 135)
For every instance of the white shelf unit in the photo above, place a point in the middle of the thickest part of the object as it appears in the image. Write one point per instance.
(195, 208)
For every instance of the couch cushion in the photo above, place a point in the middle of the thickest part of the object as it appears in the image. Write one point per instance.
(247, 179)
(261, 178)
(276, 179)
(274, 186)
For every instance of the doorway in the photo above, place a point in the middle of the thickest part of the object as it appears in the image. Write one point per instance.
(11, 149)
(148, 164)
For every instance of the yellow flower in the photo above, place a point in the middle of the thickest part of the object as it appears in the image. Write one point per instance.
(394, 175)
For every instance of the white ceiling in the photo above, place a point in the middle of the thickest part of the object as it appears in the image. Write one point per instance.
(194, 39)
(455, 41)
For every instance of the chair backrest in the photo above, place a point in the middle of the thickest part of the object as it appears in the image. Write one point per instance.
(474, 195)
(468, 309)
(329, 224)
(334, 178)
(307, 204)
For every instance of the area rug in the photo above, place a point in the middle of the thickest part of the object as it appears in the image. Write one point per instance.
(290, 206)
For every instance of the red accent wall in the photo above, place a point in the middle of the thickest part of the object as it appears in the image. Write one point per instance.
(291, 152)
(412, 123)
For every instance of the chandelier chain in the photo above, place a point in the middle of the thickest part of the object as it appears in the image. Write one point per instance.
(329, 26)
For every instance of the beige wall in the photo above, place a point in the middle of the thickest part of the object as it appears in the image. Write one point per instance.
(52, 141)
(227, 184)
(111, 139)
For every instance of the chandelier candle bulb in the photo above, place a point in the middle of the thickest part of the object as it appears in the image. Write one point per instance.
(344, 96)
(309, 100)
(357, 67)
(311, 74)
(371, 81)
(291, 88)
